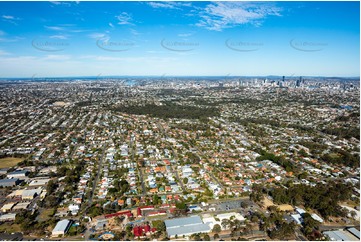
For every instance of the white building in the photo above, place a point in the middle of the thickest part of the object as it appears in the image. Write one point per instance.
(74, 209)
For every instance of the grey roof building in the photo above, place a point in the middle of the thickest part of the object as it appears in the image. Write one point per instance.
(3, 171)
(9, 182)
(186, 226)
(18, 173)
(339, 235)
(61, 228)
(355, 232)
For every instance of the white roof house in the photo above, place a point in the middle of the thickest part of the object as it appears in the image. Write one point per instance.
(300, 211)
(30, 194)
(297, 218)
(317, 218)
(61, 228)
(7, 207)
(74, 209)
(8, 217)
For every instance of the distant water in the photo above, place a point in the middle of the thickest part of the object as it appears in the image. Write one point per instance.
(130, 82)
(346, 107)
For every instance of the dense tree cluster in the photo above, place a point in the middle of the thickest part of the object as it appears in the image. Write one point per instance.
(287, 165)
(169, 110)
(310, 227)
(120, 186)
(282, 230)
(342, 132)
(323, 197)
(342, 157)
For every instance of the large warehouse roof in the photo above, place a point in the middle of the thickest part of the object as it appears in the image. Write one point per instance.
(193, 220)
(61, 226)
(354, 232)
(339, 235)
(186, 226)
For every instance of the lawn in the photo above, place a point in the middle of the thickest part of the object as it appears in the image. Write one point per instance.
(9, 162)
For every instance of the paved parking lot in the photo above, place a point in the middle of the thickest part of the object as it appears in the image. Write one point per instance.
(224, 206)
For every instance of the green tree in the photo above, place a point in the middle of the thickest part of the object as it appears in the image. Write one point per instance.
(225, 223)
(156, 199)
(206, 237)
(216, 228)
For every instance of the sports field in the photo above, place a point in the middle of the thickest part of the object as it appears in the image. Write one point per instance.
(8, 162)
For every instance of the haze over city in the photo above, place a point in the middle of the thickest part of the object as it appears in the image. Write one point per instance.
(60, 39)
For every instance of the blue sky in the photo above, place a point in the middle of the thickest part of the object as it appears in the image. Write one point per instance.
(52, 39)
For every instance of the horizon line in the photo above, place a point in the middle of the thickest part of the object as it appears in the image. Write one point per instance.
(170, 76)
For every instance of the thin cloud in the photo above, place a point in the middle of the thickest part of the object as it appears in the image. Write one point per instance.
(68, 4)
(184, 35)
(96, 35)
(124, 18)
(169, 5)
(134, 32)
(2, 53)
(5, 38)
(57, 57)
(221, 15)
(10, 19)
(55, 28)
(99, 36)
(58, 37)
(70, 28)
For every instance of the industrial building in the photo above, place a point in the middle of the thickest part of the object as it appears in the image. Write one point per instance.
(340, 235)
(18, 174)
(61, 228)
(9, 182)
(186, 226)
(354, 232)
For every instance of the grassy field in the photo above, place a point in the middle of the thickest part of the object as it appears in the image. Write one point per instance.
(10, 227)
(46, 214)
(9, 162)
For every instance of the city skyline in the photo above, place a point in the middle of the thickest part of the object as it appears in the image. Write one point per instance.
(64, 39)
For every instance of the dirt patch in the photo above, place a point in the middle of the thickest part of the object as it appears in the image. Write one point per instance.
(267, 202)
(285, 207)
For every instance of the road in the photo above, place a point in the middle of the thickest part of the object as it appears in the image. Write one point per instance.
(299, 235)
(210, 173)
(334, 227)
(73, 151)
(132, 154)
(175, 156)
(216, 180)
(144, 191)
(254, 235)
(100, 166)
(90, 201)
